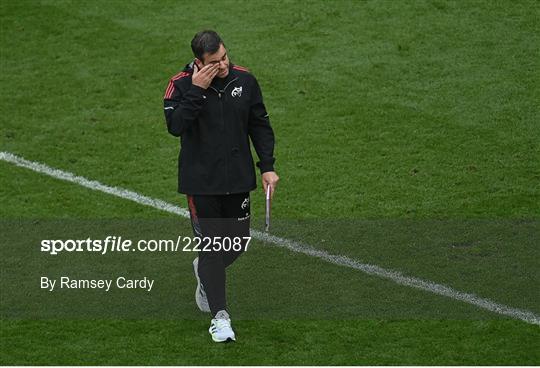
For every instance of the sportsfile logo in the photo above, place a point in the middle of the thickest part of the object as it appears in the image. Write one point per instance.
(119, 244)
(236, 92)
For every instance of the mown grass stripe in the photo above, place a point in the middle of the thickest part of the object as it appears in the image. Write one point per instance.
(395, 276)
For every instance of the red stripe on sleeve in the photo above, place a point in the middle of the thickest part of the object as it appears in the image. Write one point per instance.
(170, 87)
(168, 91)
(241, 68)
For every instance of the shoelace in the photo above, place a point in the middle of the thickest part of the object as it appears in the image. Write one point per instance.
(221, 324)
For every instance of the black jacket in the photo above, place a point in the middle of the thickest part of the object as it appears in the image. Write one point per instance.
(214, 126)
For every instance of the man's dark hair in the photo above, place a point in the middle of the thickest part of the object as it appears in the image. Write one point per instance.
(205, 42)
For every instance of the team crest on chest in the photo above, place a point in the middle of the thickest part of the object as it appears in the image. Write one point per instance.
(236, 92)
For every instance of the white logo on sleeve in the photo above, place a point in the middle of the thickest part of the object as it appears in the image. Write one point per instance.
(245, 203)
(236, 92)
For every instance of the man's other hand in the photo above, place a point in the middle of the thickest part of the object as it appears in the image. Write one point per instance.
(203, 77)
(270, 178)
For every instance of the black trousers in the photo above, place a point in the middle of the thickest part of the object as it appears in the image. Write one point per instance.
(218, 217)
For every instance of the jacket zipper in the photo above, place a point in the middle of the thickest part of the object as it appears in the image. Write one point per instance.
(219, 92)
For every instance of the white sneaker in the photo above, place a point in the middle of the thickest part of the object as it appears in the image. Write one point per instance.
(220, 328)
(200, 294)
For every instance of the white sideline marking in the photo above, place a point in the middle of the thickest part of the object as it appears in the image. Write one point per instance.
(294, 246)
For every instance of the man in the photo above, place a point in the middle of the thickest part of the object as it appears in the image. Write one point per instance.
(215, 108)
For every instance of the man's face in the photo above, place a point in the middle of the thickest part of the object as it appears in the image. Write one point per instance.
(221, 58)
